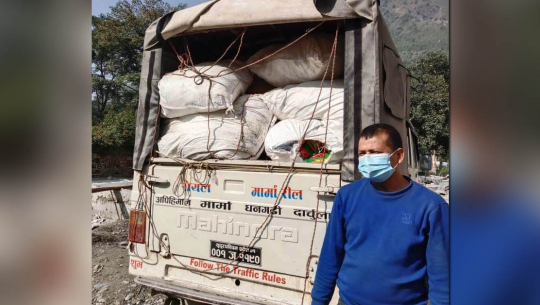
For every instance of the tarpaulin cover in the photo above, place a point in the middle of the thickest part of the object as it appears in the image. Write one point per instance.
(376, 86)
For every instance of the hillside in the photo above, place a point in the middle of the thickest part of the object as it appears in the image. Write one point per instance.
(417, 26)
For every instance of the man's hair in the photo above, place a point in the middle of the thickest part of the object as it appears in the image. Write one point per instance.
(394, 139)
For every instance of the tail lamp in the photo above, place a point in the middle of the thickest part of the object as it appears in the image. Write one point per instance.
(137, 226)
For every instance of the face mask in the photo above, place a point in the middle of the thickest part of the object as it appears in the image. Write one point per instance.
(376, 167)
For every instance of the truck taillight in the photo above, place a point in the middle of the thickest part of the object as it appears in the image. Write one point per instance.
(137, 226)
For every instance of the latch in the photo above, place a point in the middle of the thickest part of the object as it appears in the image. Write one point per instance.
(154, 179)
(324, 189)
(164, 246)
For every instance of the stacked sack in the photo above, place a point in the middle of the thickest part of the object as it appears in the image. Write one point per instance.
(294, 105)
(187, 136)
(238, 123)
(298, 70)
(184, 92)
(306, 60)
(191, 101)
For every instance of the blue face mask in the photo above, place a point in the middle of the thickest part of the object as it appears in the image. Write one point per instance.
(376, 167)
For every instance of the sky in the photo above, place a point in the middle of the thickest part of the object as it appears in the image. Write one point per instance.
(102, 6)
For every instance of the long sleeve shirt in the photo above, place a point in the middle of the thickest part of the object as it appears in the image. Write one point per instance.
(380, 247)
(495, 249)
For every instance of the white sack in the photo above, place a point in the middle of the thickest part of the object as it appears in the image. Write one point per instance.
(181, 92)
(306, 60)
(298, 102)
(283, 139)
(186, 137)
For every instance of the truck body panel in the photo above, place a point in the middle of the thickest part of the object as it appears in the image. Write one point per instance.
(202, 215)
(207, 224)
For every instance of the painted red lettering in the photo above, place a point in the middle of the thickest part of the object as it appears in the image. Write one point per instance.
(135, 264)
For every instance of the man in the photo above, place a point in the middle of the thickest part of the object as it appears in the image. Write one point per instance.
(386, 233)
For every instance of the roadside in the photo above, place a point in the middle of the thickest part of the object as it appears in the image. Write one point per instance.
(110, 200)
(111, 283)
(438, 184)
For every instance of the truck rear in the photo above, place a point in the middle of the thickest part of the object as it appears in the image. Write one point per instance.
(250, 231)
(192, 238)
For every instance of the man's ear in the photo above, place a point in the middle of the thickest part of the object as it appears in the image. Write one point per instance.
(400, 154)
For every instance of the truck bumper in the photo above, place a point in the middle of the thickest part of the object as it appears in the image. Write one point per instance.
(180, 292)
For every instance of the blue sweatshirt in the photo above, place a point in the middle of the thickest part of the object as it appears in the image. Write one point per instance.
(380, 246)
(495, 250)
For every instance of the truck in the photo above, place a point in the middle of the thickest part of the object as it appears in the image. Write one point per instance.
(251, 231)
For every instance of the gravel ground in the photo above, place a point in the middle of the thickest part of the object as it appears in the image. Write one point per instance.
(111, 283)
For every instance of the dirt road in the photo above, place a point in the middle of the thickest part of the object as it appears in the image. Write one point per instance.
(111, 283)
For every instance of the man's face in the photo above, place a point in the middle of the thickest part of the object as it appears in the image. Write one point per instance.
(379, 144)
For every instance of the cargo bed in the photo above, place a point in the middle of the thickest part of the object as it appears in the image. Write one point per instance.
(202, 214)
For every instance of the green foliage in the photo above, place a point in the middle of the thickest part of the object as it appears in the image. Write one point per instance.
(430, 109)
(117, 46)
(116, 130)
(444, 171)
(417, 26)
(420, 31)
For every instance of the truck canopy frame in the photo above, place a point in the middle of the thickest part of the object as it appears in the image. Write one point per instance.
(376, 81)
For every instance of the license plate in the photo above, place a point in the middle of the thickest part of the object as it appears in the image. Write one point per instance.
(231, 252)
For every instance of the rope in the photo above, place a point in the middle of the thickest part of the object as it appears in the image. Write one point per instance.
(196, 169)
(287, 177)
(142, 205)
(333, 57)
(204, 168)
(187, 63)
(241, 36)
(200, 76)
(208, 116)
(180, 180)
(241, 137)
(180, 183)
(190, 59)
(206, 76)
(239, 47)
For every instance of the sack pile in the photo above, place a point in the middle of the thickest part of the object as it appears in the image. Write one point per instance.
(189, 103)
(294, 105)
(187, 136)
(186, 98)
(306, 60)
(283, 140)
(184, 92)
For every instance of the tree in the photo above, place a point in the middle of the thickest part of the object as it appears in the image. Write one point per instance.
(430, 110)
(116, 130)
(117, 46)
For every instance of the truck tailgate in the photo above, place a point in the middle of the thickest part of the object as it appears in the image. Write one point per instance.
(209, 225)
